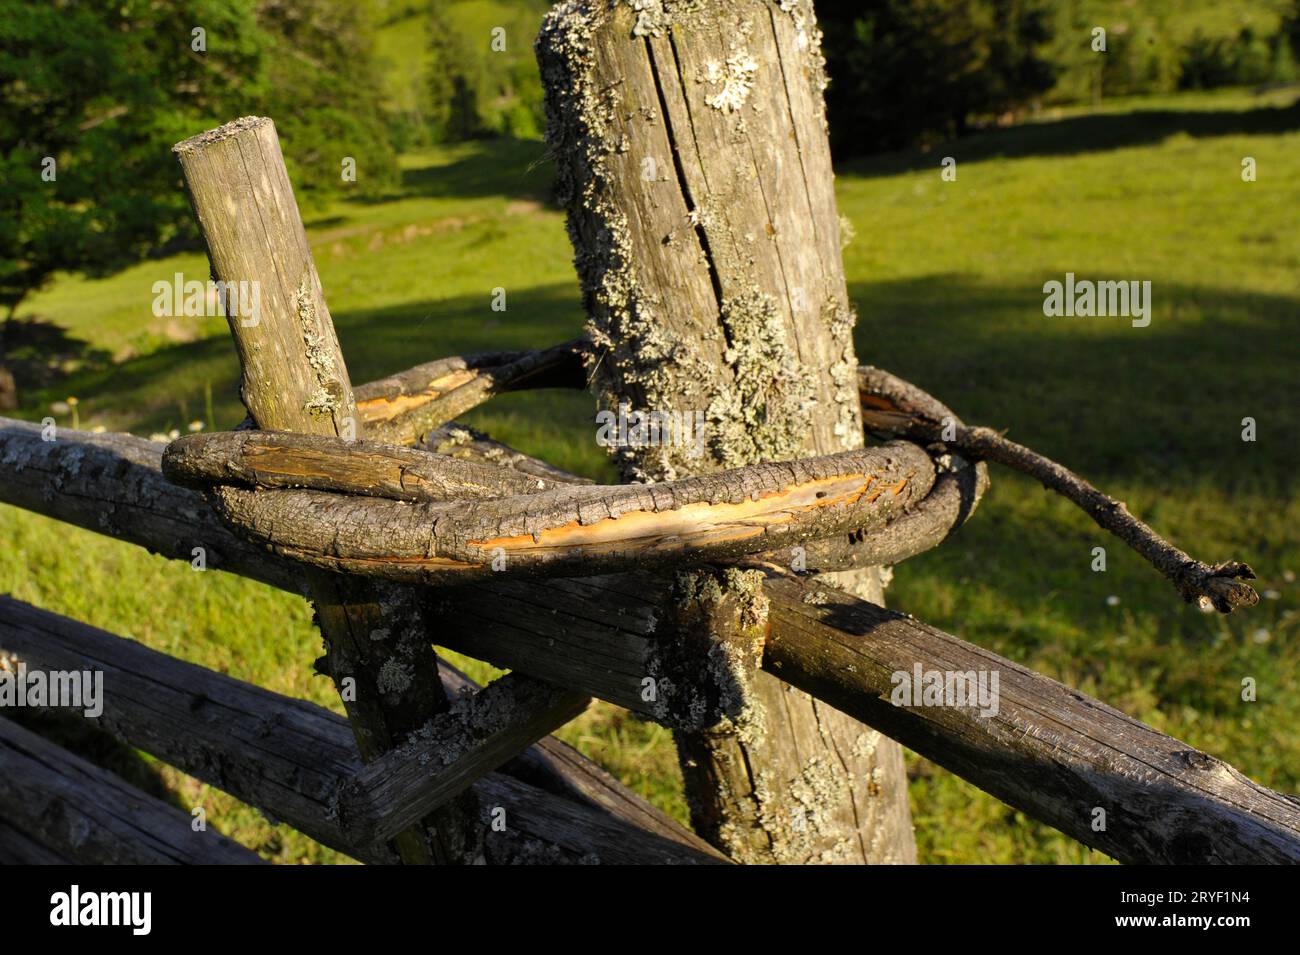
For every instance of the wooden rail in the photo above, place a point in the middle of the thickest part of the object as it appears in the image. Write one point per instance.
(293, 759)
(716, 286)
(1049, 750)
(479, 733)
(19, 848)
(78, 810)
(294, 378)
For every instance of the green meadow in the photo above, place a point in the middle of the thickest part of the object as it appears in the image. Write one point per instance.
(948, 281)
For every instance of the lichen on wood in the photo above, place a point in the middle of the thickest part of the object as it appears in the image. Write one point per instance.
(704, 656)
(693, 163)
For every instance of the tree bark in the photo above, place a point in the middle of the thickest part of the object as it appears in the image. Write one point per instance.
(1069, 754)
(384, 524)
(695, 167)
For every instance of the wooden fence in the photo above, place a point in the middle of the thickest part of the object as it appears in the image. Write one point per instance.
(405, 529)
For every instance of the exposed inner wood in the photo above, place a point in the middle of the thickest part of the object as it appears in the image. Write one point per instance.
(404, 408)
(376, 410)
(587, 530)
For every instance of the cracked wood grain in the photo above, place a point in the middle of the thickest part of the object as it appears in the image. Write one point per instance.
(1053, 752)
(479, 733)
(578, 530)
(599, 635)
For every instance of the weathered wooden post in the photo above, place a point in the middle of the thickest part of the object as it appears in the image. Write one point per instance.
(695, 167)
(294, 379)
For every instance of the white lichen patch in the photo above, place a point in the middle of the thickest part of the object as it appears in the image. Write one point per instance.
(321, 404)
(394, 678)
(319, 353)
(864, 747)
(736, 78)
(705, 659)
(651, 18)
(766, 413)
(840, 320)
(319, 348)
(793, 813)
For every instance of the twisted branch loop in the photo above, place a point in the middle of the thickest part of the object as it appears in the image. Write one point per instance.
(380, 509)
(416, 515)
(897, 407)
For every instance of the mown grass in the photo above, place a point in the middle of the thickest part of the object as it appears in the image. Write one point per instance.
(948, 278)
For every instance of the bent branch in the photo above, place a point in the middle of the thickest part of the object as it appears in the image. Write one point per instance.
(580, 531)
(896, 407)
(404, 408)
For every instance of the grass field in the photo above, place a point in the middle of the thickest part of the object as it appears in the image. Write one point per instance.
(948, 279)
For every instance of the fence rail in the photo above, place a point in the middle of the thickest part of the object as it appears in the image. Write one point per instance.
(292, 759)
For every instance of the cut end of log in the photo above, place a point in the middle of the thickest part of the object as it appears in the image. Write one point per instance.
(1220, 586)
(228, 131)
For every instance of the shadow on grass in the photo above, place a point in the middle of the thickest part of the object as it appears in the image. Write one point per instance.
(517, 168)
(383, 340)
(1097, 393)
(42, 354)
(165, 388)
(1092, 133)
(1163, 402)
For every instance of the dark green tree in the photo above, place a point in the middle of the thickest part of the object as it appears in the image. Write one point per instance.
(1291, 28)
(905, 71)
(93, 95)
(323, 91)
(483, 79)
(453, 85)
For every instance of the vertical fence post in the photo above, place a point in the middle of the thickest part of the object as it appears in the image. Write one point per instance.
(294, 379)
(694, 163)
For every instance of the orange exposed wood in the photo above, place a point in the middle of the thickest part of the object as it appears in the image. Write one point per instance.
(386, 409)
(695, 524)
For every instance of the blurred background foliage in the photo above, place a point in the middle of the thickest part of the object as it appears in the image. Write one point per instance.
(914, 71)
(96, 87)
